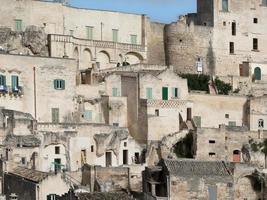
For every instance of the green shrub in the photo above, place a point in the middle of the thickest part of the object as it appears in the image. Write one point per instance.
(222, 87)
(197, 81)
(183, 149)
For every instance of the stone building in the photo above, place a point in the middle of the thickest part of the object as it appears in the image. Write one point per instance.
(194, 43)
(33, 185)
(188, 179)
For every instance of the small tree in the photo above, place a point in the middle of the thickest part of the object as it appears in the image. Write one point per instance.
(222, 87)
(264, 150)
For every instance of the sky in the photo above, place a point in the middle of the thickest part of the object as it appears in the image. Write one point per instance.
(165, 11)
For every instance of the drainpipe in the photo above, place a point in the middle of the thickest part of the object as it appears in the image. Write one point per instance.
(34, 88)
(168, 188)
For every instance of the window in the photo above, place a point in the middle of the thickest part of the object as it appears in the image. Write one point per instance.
(212, 190)
(255, 20)
(18, 25)
(157, 112)
(92, 148)
(2, 80)
(51, 197)
(15, 83)
(232, 47)
(224, 23)
(260, 123)
(125, 144)
(133, 39)
(116, 124)
(149, 94)
(55, 115)
(225, 5)
(88, 115)
(115, 33)
(71, 32)
(115, 92)
(264, 2)
(57, 150)
(255, 44)
(231, 123)
(89, 32)
(212, 154)
(23, 160)
(227, 116)
(212, 141)
(165, 95)
(59, 84)
(233, 28)
(175, 92)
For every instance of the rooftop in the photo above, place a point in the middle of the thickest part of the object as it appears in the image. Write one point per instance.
(186, 167)
(30, 174)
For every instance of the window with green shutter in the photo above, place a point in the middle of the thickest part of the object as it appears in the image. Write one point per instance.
(18, 24)
(149, 94)
(55, 115)
(2, 80)
(115, 33)
(59, 84)
(115, 92)
(175, 92)
(133, 39)
(165, 93)
(89, 32)
(88, 115)
(14, 82)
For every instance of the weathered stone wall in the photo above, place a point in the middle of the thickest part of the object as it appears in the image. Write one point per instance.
(197, 187)
(155, 43)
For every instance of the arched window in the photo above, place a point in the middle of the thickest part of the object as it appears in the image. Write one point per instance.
(257, 73)
(260, 123)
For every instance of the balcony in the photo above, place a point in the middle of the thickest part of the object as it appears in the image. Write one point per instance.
(55, 38)
(11, 91)
(174, 103)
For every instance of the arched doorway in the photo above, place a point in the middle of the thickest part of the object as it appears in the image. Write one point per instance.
(103, 60)
(86, 60)
(76, 54)
(133, 58)
(236, 156)
(257, 73)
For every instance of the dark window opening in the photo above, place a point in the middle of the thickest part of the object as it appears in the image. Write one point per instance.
(57, 150)
(255, 20)
(224, 23)
(86, 77)
(157, 112)
(212, 141)
(211, 154)
(232, 48)
(227, 116)
(92, 148)
(125, 144)
(23, 160)
(233, 28)
(255, 44)
(125, 157)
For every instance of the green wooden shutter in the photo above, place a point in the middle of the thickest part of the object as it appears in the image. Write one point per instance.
(134, 39)
(149, 94)
(63, 84)
(14, 81)
(2, 80)
(18, 25)
(115, 92)
(55, 84)
(165, 93)
(55, 115)
(89, 32)
(115, 35)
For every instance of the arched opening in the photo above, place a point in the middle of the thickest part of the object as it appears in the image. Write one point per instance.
(103, 60)
(76, 54)
(257, 73)
(236, 156)
(260, 123)
(133, 58)
(86, 60)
